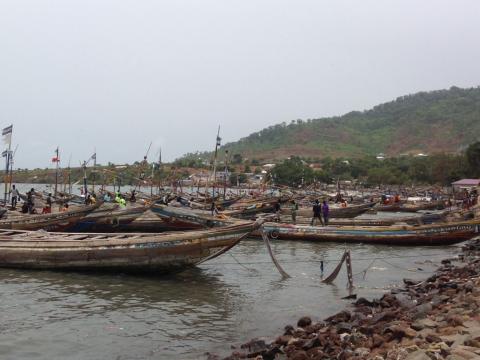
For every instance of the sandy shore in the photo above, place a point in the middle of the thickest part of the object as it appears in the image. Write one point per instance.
(438, 318)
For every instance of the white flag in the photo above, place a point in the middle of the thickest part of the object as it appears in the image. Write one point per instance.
(7, 135)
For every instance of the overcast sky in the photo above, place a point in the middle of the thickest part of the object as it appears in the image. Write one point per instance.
(116, 74)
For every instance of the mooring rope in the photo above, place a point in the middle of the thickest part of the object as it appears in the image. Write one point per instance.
(269, 248)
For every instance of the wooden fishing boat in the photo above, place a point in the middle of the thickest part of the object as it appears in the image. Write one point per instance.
(418, 219)
(60, 221)
(436, 234)
(410, 220)
(181, 219)
(118, 252)
(109, 218)
(350, 211)
(406, 207)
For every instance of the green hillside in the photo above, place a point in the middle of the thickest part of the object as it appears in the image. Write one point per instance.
(426, 122)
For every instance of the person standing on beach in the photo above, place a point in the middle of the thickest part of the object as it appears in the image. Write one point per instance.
(30, 201)
(325, 212)
(276, 209)
(294, 212)
(317, 213)
(15, 196)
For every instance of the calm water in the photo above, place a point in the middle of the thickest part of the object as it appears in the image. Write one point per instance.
(48, 315)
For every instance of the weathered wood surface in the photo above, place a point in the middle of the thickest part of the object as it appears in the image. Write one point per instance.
(50, 222)
(335, 212)
(435, 234)
(124, 252)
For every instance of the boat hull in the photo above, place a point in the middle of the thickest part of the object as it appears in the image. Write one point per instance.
(108, 221)
(440, 234)
(338, 213)
(117, 252)
(49, 222)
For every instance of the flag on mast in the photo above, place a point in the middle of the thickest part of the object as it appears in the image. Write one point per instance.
(56, 158)
(7, 135)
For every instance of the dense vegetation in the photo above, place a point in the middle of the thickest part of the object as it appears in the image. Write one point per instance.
(441, 169)
(427, 122)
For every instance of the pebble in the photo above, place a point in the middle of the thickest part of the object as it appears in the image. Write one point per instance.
(434, 319)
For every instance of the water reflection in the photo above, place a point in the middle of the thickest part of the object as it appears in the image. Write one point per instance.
(45, 315)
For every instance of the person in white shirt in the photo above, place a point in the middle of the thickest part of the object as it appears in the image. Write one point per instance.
(15, 196)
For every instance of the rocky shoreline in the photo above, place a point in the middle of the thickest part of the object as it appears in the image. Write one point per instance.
(438, 318)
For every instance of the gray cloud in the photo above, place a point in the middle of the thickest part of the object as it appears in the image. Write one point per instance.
(116, 75)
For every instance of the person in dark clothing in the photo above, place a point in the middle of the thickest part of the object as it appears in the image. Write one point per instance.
(317, 213)
(30, 203)
(276, 209)
(133, 198)
(325, 212)
(294, 211)
(213, 209)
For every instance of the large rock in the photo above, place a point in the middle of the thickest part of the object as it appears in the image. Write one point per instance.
(304, 322)
(342, 316)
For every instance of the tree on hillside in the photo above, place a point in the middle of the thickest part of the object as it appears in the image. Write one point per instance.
(473, 158)
(291, 172)
(237, 159)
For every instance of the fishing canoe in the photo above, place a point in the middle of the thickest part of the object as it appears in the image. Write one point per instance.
(179, 218)
(437, 234)
(219, 204)
(136, 252)
(108, 218)
(350, 211)
(405, 207)
(60, 221)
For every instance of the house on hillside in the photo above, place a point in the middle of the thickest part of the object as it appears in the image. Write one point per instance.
(469, 185)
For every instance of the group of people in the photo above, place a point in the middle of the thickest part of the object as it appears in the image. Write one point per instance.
(28, 206)
(320, 213)
(470, 199)
(120, 199)
(386, 200)
(91, 199)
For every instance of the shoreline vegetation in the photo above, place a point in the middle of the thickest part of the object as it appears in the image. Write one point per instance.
(436, 169)
(438, 318)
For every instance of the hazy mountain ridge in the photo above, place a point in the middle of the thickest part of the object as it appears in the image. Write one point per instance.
(426, 122)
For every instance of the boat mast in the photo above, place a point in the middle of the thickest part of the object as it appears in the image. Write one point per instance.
(94, 156)
(69, 175)
(10, 176)
(217, 144)
(7, 138)
(85, 190)
(225, 175)
(57, 160)
(159, 169)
